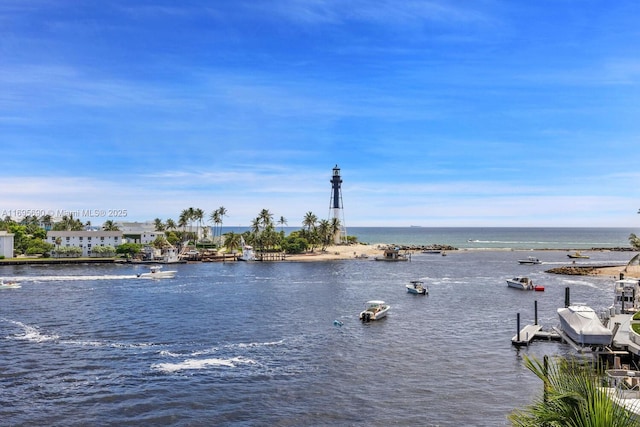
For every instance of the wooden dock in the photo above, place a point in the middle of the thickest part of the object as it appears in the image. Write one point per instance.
(533, 332)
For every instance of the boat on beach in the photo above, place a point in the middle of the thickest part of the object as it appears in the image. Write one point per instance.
(374, 310)
(583, 326)
(9, 284)
(530, 260)
(156, 272)
(417, 287)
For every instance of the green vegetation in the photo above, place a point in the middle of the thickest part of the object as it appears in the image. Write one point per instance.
(634, 241)
(572, 396)
(30, 235)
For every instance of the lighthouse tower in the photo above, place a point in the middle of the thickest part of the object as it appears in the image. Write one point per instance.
(336, 211)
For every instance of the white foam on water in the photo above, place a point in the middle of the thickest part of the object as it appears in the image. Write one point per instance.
(31, 333)
(71, 278)
(198, 364)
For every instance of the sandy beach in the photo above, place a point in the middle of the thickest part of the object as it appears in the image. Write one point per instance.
(338, 252)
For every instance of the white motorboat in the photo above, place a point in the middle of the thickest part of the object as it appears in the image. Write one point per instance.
(624, 388)
(156, 272)
(583, 326)
(522, 283)
(9, 285)
(417, 287)
(530, 260)
(626, 296)
(374, 310)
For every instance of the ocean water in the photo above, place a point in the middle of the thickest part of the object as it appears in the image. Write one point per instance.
(255, 344)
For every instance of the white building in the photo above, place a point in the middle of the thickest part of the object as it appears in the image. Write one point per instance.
(86, 240)
(6, 244)
(139, 232)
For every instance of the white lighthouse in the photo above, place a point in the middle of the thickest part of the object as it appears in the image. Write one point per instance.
(336, 209)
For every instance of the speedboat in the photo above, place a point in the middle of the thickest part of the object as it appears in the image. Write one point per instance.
(577, 255)
(522, 283)
(9, 285)
(583, 326)
(417, 287)
(374, 310)
(626, 296)
(530, 260)
(156, 272)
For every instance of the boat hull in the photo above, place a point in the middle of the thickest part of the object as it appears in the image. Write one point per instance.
(582, 325)
(521, 283)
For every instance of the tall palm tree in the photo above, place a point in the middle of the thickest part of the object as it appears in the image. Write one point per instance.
(572, 396)
(222, 212)
(309, 221)
(282, 222)
(170, 224)
(198, 214)
(214, 217)
(266, 218)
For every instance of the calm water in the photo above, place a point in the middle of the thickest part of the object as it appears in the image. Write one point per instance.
(254, 344)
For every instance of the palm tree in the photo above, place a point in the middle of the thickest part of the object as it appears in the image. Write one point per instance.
(215, 219)
(198, 214)
(336, 227)
(182, 223)
(159, 226)
(232, 241)
(170, 224)
(572, 396)
(309, 221)
(324, 232)
(266, 218)
(222, 212)
(282, 222)
(109, 225)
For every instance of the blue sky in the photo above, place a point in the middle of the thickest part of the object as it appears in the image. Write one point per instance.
(439, 113)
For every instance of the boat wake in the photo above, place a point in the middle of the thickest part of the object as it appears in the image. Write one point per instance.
(229, 356)
(69, 278)
(191, 364)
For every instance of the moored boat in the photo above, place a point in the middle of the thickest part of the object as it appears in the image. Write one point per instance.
(577, 254)
(522, 283)
(417, 287)
(374, 310)
(583, 326)
(156, 272)
(626, 296)
(392, 254)
(530, 260)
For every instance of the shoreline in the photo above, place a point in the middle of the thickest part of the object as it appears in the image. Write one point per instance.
(366, 252)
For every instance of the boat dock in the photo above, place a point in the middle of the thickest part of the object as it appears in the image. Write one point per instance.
(533, 332)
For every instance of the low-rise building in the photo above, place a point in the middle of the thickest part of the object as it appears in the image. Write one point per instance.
(85, 240)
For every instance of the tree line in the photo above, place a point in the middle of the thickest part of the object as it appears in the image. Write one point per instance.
(30, 232)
